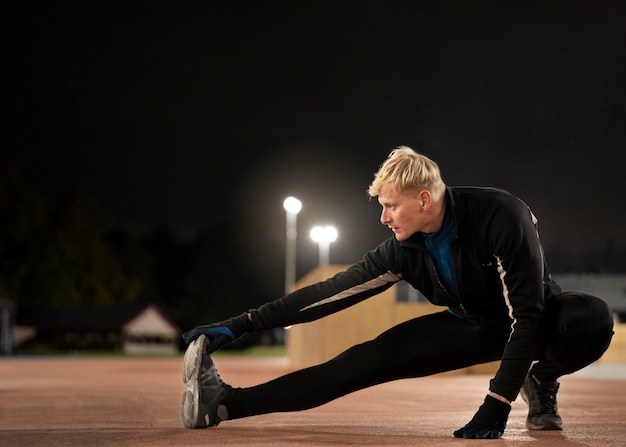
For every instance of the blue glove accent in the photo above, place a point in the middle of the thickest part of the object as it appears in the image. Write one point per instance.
(210, 332)
(222, 333)
(484, 433)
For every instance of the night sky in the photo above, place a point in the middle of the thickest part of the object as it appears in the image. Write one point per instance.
(195, 115)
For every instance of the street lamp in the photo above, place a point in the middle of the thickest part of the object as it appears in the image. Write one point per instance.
(324, 236)
(292, 207)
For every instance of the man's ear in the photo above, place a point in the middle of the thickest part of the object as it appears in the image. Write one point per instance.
(425, 198)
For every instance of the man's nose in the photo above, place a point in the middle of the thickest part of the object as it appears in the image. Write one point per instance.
(384, 219)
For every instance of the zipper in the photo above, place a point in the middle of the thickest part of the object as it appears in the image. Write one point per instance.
(455, 248)
(431, 263)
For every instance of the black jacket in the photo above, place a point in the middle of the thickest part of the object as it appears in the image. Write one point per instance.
(499, 268)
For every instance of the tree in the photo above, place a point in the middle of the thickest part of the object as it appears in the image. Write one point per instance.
(52, 251)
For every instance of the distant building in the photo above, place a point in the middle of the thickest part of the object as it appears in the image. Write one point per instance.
(611, 287)
(129, 329)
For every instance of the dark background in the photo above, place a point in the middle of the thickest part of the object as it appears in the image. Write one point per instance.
(178, 130)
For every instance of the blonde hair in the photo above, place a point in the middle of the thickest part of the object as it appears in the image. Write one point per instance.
(408, 172)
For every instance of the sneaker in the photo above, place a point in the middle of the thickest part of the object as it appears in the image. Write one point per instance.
(543, 413)
(204, 389)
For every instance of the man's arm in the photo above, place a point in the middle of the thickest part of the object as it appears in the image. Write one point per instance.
(515, 243)
(364, 279)
(375, 273)
(520, 263)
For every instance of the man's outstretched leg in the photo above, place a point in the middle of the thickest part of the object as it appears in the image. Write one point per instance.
(204, 389)
(578, 330)
(398, 353)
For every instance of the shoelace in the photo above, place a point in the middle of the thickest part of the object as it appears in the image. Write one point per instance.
(547, 399)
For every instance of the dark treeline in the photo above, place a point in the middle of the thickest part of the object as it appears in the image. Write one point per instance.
(64, 251)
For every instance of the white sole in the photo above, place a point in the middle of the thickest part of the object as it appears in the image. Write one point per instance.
(191, 396)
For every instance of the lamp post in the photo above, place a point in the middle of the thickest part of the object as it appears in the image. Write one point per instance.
(324, 236)
(292, 207)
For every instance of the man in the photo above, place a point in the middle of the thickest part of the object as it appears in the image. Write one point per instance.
(475, 251)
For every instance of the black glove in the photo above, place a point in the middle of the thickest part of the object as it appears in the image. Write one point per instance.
(222, 333)
(489, 421)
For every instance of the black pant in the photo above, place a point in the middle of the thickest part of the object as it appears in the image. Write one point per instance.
(576, 331)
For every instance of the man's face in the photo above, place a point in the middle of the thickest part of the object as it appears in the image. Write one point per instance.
(403, 214)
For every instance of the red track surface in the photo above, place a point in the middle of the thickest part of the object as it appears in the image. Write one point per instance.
(136, 402)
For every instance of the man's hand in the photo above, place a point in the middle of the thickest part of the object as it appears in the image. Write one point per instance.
(489, 421)
(222, 333)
